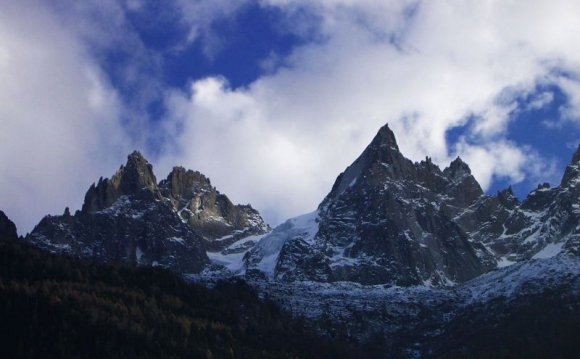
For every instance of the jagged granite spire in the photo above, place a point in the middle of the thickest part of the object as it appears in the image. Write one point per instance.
(572, 172)
(7, 228)
(130, 218)
(576, 157)
(125, 219)
(463, 188)
(386, 221)
(507, 197)
(208, 211)
(457, 169)
(390, 221)
(184, 184)
(379, 160)
(385, 138)
(136, 176)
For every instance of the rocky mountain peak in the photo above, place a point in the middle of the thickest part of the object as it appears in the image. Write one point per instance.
(576, 157)
(428, 165)
(507, 197)
(182, 183)
(457, 169)
(135, 177)
(460, 185)
(381, 161)
(387, 221)
(385, 138)
(572, 173)
(7, 228)
(209, 212)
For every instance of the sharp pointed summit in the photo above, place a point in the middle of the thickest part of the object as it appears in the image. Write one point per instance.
(457, 168)
(385, 138)
(386, 221)
(572, 173)
(131, 218)
(381, 159)
(390, 221)
(135, 177)
(7, 228)
(576, 157)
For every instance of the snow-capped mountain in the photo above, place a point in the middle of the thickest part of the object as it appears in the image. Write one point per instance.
(419, 259)
(398, 252)
(390, 221)
(131, 218)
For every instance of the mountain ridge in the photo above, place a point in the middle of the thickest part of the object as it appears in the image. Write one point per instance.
(132, 218)
(398, 253)
(388, 220)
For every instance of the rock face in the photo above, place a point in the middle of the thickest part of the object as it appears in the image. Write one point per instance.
(130, 218)
(209, 212)
(390, 221)
(546, 223)
(136, 179)
(7, 228)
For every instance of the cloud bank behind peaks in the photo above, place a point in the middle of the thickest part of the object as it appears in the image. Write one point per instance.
(424, 67)
(58, 115)
(83, 83)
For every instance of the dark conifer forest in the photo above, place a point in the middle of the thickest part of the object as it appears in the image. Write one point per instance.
(59, 307)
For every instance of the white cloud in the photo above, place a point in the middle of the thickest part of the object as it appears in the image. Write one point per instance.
(425, 69)
(200, 16)
(423, 66)
(225, 134)
(571, 111)
(540, 100)
(506, 160)
(58, 116)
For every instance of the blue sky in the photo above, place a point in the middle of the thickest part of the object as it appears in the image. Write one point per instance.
(272, 99)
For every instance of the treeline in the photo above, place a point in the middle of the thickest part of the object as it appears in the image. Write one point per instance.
(59, 307)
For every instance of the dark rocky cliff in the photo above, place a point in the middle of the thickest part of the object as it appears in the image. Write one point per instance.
(390, 221)
(131, 218)
(7, 228)
(208, 211)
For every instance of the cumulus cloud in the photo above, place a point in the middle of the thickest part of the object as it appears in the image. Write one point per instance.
(199, 17)
(69, 114)
(424, 67)
(570, 112)
(506, 160)
(58, 115)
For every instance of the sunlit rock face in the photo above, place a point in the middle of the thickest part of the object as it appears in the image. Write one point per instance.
(209, 212)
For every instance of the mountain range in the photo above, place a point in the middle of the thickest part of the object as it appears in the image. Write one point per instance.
(397, 250)
(390, 221)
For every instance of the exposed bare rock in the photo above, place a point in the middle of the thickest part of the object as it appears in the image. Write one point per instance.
(209, 212)
(7, 228)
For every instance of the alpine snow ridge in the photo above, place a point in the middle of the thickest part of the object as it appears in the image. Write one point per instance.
(131, 218)
(390, 221)
(415, 259)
